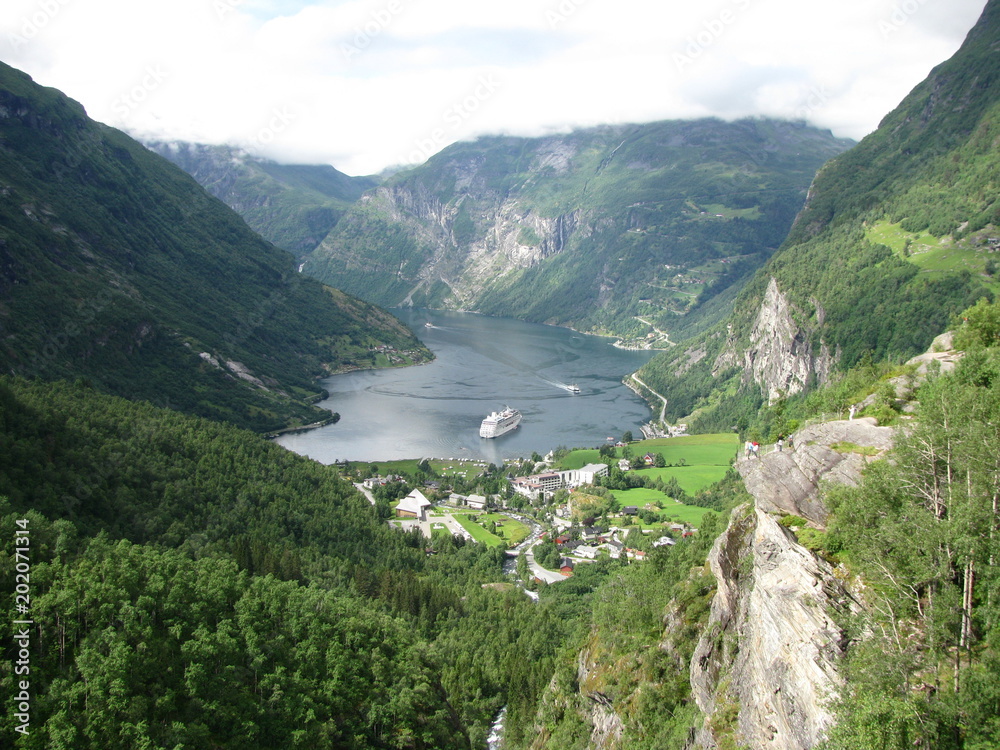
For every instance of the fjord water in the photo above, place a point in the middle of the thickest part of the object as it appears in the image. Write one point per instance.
(482, 364)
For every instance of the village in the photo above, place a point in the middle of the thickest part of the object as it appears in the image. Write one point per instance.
(619, 501)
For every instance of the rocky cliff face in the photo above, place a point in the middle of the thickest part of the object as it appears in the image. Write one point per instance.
(598, 226)
(788, 481)
(779, 355)
(508, 236)
(767, 665)
(768, 662)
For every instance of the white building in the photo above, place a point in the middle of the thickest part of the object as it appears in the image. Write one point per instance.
(539, 485)
(414, 505)
(585, 474)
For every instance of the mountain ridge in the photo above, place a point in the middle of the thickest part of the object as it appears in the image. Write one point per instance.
(118, 267)
(591, 229)
(292, 205)
(895, 238)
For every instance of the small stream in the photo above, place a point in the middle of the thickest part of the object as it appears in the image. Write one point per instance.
(495, 740)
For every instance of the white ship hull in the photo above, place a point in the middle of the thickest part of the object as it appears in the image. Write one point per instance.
(500, 423)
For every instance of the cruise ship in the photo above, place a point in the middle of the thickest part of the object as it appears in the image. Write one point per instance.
(499, 423)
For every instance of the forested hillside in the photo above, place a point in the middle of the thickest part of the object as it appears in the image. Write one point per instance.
(625, 229)
(899, 234)
(921, 534)
(294, 206)
(192, 583)
(118, 267)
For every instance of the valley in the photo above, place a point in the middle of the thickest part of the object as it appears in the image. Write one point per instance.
(799, 551)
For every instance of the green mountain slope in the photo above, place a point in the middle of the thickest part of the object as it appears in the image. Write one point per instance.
(193, 584)
(116, 266)
(623, 229)
(294, 206)
(899, 234)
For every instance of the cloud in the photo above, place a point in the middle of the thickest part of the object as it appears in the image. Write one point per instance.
(363, 84)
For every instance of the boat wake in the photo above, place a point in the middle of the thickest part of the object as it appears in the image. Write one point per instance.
(571, 387)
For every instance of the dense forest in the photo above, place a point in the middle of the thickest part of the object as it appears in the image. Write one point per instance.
(192, 583)
(921, 533)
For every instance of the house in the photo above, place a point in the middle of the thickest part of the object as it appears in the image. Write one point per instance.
(649, 459)
(477, 502)
(414, 505)
(630, 510)
(624, 464)
(664, 541)
(566, 567)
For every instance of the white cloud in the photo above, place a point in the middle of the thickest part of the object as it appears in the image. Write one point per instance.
(366, 83)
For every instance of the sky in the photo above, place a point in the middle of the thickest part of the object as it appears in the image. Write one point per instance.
(368, 84)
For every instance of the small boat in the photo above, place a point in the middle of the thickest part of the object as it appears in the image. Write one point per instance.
(573, 388)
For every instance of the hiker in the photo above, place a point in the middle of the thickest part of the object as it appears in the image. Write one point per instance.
(780, 444)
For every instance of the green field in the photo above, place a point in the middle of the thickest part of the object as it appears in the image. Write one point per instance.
(514, 531)
(672, 511)
(692, 479)
(934, 255)
(695, 450)
(441, 467)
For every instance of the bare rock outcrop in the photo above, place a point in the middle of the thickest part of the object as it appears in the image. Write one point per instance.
(779, 356)
(788, 481)
(607, 725)
(772, 645)
(766, 667)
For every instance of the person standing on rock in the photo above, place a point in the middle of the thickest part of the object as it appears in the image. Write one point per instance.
(748, 446)
(780, 444)
(756, 450)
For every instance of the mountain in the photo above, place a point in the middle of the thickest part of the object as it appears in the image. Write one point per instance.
(117, 267)
(898, 235)
(294, 206)
(850, 601)
(625, 229)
